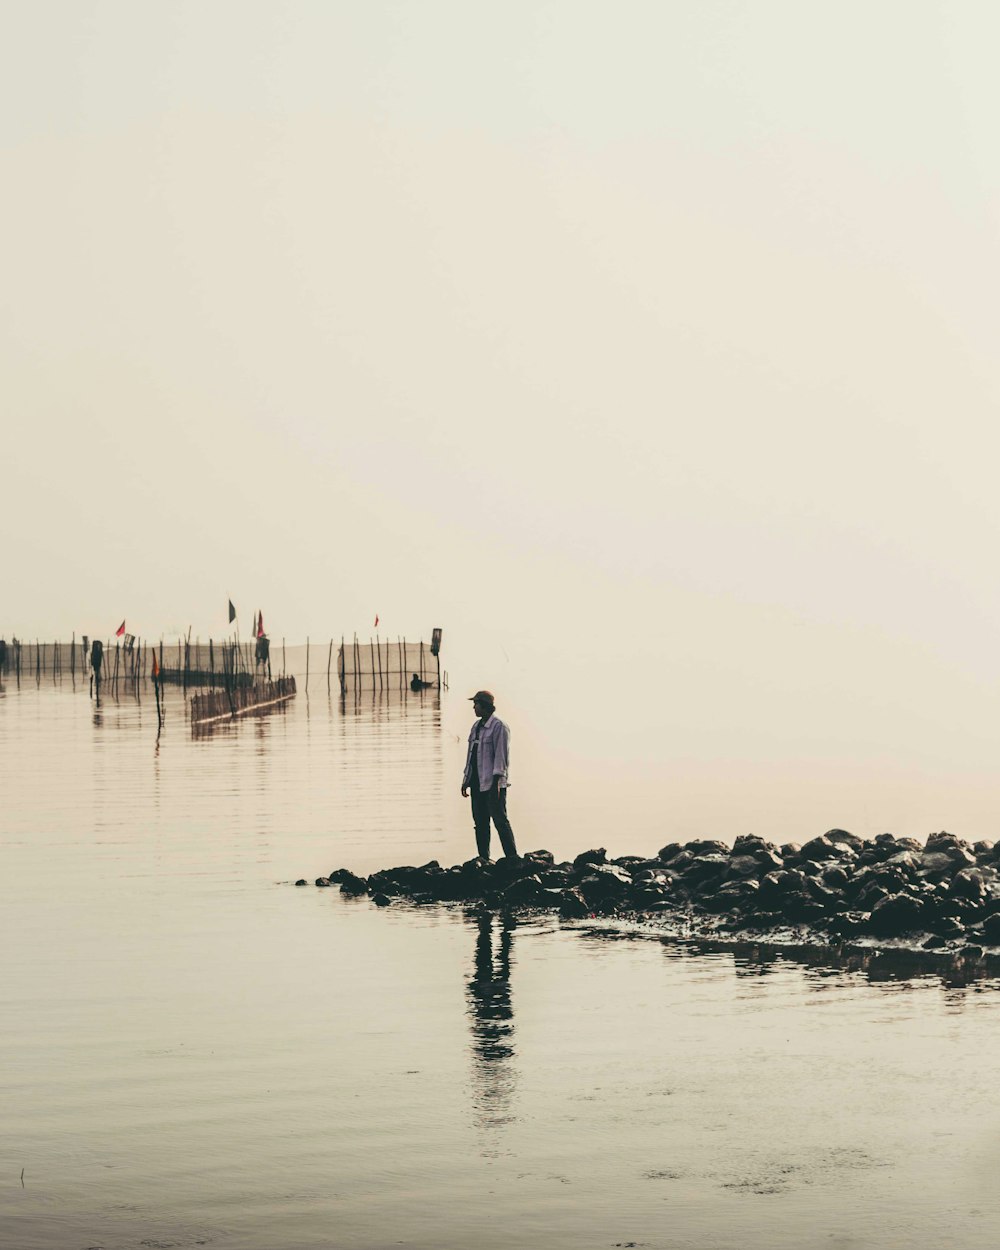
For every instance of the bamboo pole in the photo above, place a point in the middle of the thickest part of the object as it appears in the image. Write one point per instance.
(307, 661)
(329, 662)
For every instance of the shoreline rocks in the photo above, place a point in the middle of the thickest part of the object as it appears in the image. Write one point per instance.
(938, 896)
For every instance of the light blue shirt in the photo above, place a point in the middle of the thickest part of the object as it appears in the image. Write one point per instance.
(494, 753)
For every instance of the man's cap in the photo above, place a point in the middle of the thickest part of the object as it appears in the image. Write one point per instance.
(483, 696)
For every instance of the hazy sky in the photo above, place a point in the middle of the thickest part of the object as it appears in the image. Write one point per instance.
(671, 324)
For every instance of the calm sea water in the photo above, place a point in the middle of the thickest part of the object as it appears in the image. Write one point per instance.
(194, 1052)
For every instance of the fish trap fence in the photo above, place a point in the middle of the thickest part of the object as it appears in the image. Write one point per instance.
(64, 659)
(378, 664)
(216, 705)
(194, 663)
(383, 664)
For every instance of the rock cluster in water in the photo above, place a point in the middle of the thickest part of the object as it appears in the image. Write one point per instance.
(946, 892)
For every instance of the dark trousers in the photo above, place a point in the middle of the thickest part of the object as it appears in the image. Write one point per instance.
(489, 805)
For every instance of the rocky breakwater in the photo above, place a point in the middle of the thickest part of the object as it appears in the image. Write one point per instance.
(941, 894)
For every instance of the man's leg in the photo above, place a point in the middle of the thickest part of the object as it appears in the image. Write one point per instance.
(481, 819)
(498, 810)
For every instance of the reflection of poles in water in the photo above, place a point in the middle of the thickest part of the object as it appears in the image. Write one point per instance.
(492, 1020)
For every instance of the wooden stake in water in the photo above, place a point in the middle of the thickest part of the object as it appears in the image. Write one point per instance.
(307, 661)
(156, 687)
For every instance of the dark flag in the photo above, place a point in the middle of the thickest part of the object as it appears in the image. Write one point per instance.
(232, 612)
(260, 624)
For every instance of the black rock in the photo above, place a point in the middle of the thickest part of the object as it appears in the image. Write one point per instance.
(512, 867)
(895, 916)
(301, 881)
(909, 863)
(527, 892)
(800, 909)
(957, 849)
(707, 846)
(746, 866)
(711, 866)
(598, 856)
(540, 858)
(831, 899)
(991, 929)
(352, 884)
(734, 895)
(597, 886)
(572, 904)
(751, 844)
(322, 882)
(970, 884)
(871, 896)
(948, 927)
(644, 897)
(835, 878)
(843, 838)
(935, 864)
(821, 849)
(381, 900)
(778, 884)
(849, 923)
(893, 878)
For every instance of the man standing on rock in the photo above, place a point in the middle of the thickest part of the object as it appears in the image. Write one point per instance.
(486, 776)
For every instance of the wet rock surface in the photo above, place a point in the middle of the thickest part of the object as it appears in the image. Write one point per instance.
(940, 895)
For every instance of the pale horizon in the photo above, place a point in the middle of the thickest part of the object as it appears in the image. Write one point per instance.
(648, 352)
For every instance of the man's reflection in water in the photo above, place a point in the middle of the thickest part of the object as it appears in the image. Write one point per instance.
(492, 1020)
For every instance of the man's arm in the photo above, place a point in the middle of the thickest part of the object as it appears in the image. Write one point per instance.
(501, 751)
(465, 774)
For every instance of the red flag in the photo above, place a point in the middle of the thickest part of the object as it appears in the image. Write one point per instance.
(376, 620)
(260, 624)
(120, 630)
(156, 666)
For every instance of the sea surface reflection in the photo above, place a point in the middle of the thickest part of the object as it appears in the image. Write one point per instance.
(195, 1052)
